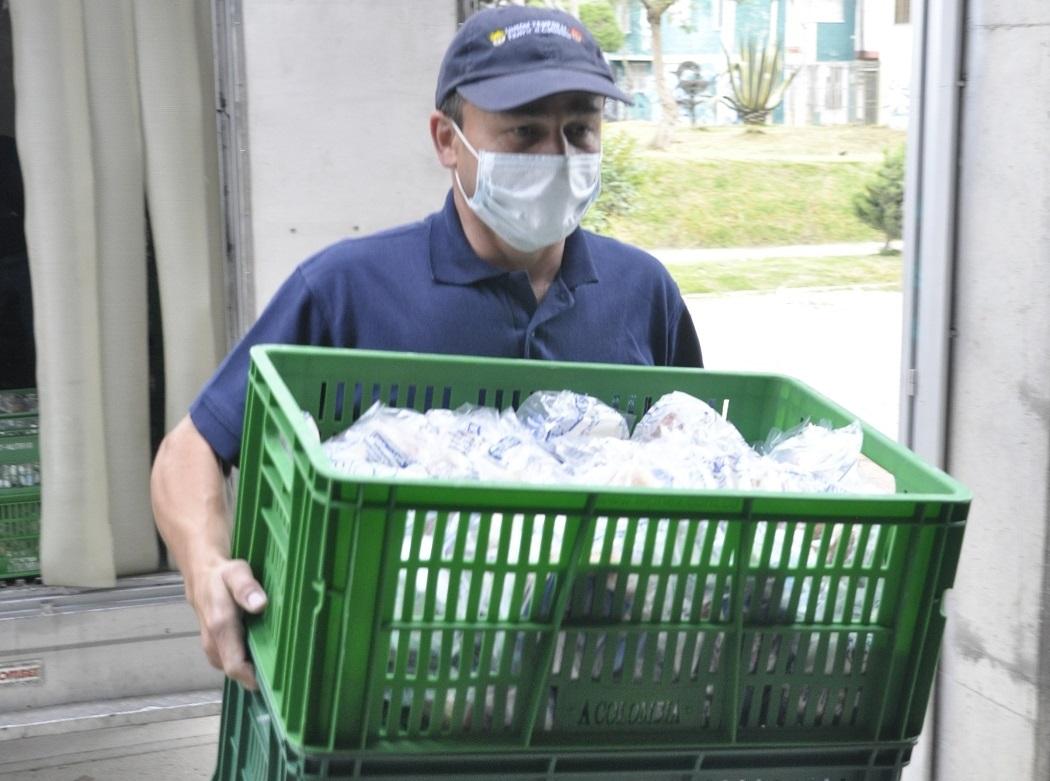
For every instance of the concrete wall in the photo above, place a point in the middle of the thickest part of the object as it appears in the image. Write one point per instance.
(994, 710)
(339, 95)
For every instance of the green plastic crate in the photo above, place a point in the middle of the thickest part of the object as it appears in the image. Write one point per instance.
(616, 620)
(252, 748)
(19, 533)
(19, 505)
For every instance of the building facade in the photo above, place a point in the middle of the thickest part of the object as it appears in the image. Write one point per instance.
(852, 57)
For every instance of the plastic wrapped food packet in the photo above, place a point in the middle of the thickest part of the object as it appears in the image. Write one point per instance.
(19, 475)
(766, 474)
(552, 414)
(460, 438)
(313, 432)
(867, 477)
(22, 425)
(483, 443)
(664, 463)
(383, 442)
(568, 438)
(678, 415)
(16, 401)
(817, 458)
(820, 450)
(609, 461)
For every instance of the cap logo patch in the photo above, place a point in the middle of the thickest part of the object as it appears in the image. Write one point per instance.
(535, 27)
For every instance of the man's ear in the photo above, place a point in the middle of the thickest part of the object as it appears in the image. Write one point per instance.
(444, 137)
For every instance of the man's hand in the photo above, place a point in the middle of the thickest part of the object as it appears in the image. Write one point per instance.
(218, 596)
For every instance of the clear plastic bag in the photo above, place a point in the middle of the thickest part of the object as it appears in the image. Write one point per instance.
(549, 415)
(384, 442)
(819, 449)
(677, 416)
(561, 437)
(810, 458)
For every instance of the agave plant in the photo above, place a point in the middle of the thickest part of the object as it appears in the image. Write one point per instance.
(758, 81)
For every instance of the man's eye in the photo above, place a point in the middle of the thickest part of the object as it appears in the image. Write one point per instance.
(579, 134)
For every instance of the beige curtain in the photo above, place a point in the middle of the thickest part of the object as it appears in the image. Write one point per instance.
(114, 108)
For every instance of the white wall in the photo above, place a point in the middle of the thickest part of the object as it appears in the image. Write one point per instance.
(895, 46)
(895, 73)
(994, 714)
(339, 93)
(806, 99)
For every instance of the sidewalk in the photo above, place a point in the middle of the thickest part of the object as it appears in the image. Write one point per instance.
(682, 257)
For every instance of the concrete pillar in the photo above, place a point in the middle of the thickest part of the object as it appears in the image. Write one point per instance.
(993, 719)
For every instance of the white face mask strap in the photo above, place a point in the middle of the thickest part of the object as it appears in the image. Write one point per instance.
(463, 138)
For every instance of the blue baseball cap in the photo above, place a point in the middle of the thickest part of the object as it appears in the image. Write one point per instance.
(505, 57)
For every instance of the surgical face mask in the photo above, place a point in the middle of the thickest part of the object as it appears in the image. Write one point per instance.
(532, 201)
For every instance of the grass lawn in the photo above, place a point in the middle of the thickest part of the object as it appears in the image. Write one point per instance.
(831, 143)
(733, 203)
(727, 187)
(872, 271)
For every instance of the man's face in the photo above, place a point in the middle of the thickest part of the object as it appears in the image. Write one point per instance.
(566, 123)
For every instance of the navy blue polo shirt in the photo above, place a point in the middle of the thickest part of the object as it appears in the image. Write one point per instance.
(421, 288)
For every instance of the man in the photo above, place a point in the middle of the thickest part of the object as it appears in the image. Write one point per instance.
(502, 270)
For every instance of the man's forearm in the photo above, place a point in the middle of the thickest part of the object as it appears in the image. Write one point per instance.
(189, 504)
(189, 501)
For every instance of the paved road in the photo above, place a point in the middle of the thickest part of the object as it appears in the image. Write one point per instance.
(846, 343)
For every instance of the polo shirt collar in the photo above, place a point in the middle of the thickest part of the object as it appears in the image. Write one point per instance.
(454, 262)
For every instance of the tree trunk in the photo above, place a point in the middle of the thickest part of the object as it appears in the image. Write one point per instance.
(668, 107)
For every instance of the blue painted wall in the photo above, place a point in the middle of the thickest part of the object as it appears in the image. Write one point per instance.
(835, 41)
(698, 37)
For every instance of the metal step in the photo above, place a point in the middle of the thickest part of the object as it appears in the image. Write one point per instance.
(64, 646)
(105, 714)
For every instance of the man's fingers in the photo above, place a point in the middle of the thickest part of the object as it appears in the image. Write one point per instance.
(219, 608)
(246, 591)
(225, 644)
(243, 673)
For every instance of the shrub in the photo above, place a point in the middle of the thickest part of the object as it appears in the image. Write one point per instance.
(622, 173)
(758, 81)
(881, 203)
(600, 19)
